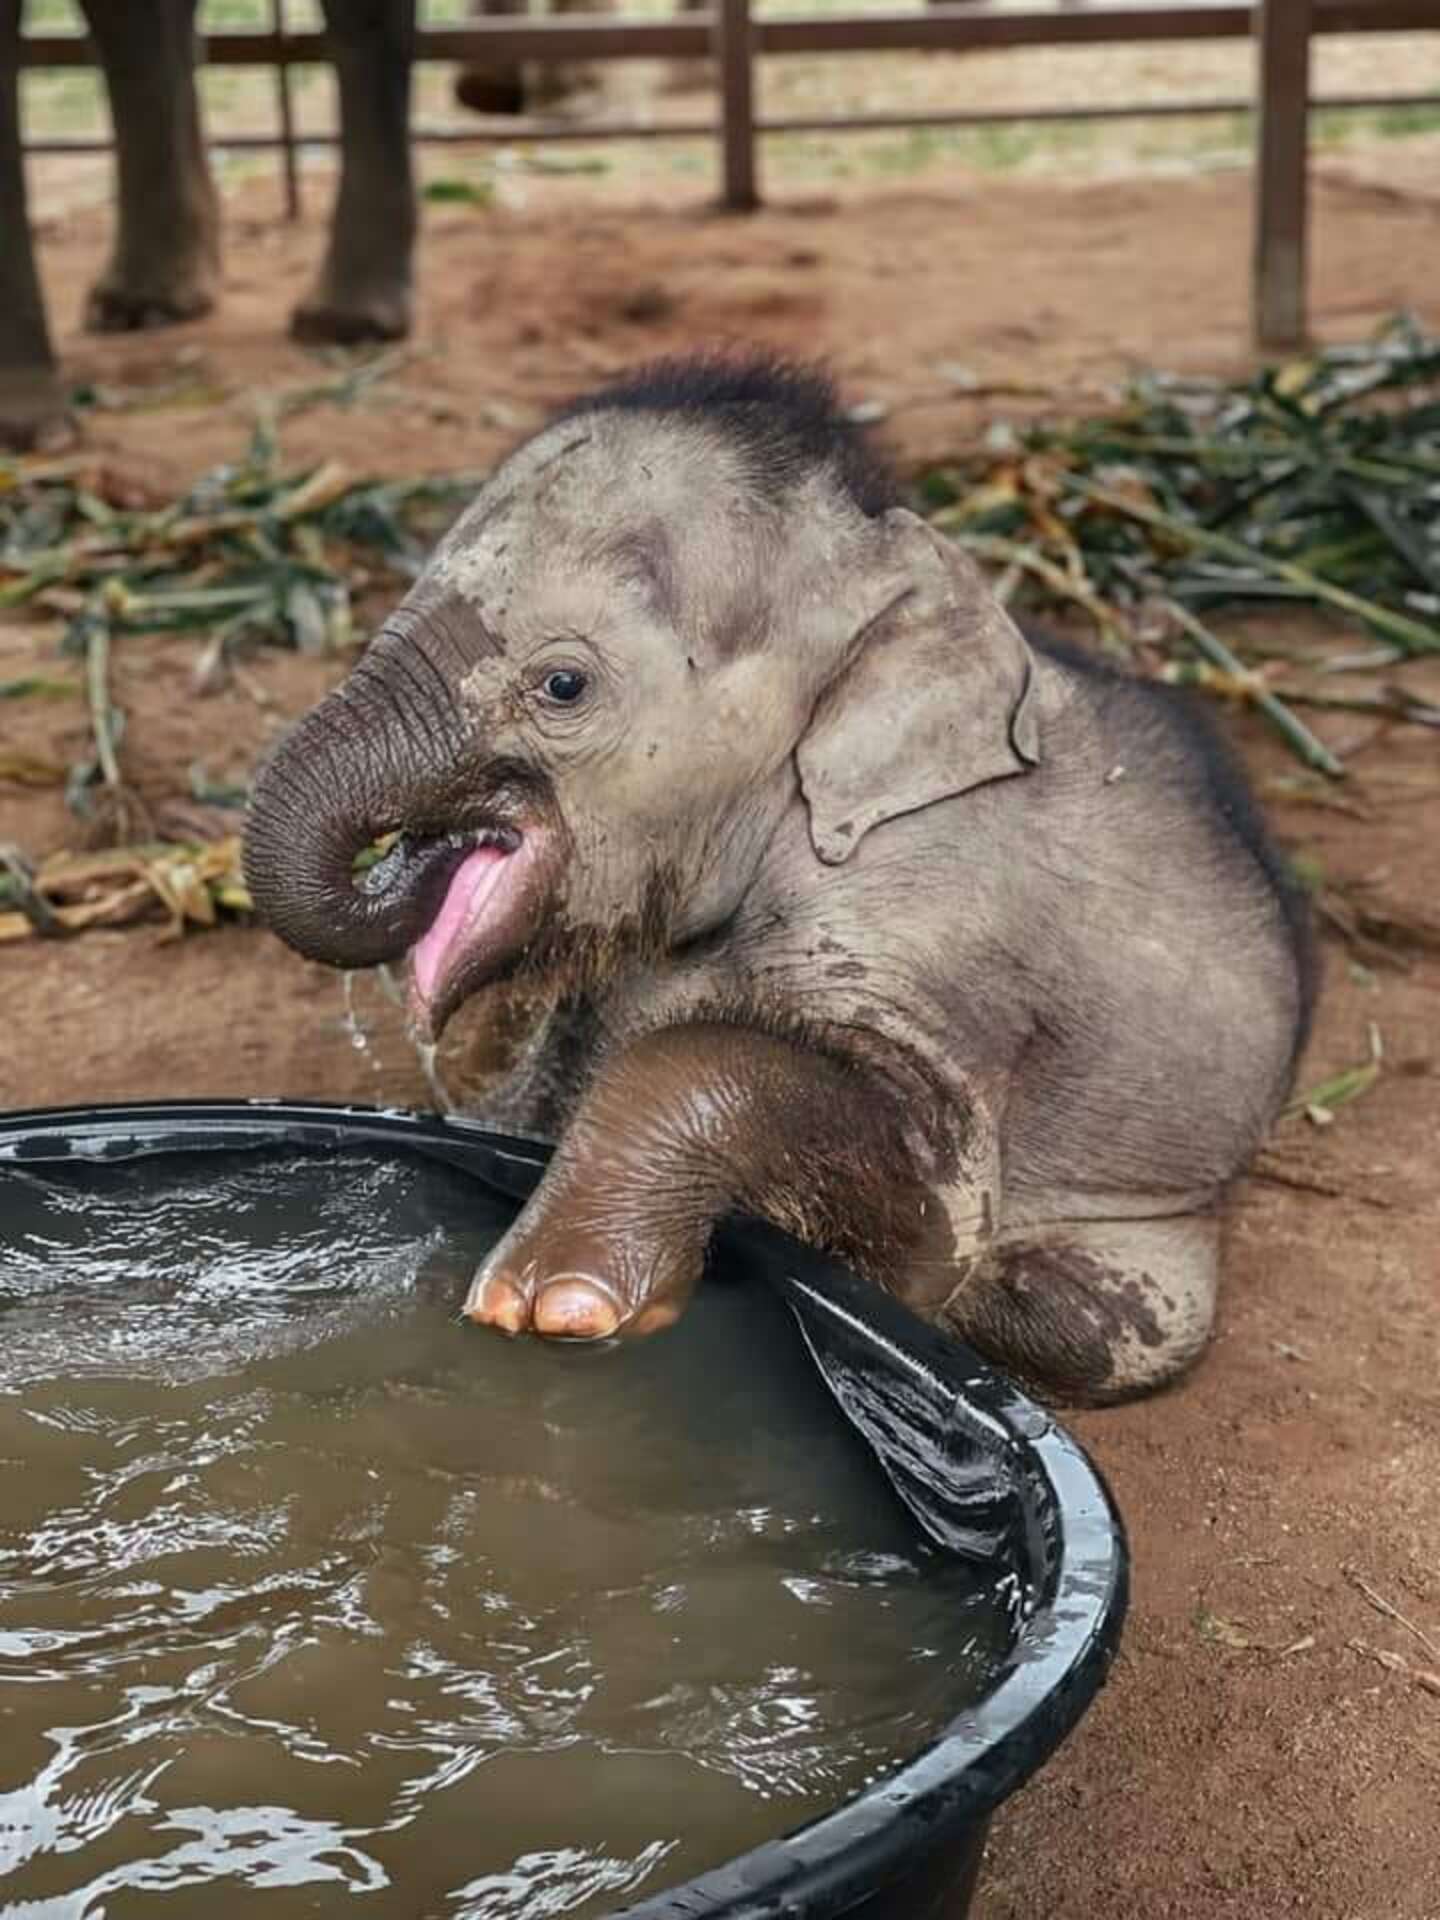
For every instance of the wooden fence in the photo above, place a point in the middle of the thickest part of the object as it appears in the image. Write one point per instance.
(735, 38)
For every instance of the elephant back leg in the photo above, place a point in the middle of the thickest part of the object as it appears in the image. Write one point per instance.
(1096, 1311)
(32, 408)
(165, 262)
(363, 291)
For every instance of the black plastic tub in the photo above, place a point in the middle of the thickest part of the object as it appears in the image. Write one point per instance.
(987, 1474)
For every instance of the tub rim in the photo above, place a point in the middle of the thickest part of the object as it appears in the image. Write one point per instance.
(946, 1791)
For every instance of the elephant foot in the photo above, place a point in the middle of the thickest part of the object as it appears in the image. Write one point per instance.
(113, 307)
(493, 90)
(509, 91)
(33, 414)
(568, 1286)
(352, 316)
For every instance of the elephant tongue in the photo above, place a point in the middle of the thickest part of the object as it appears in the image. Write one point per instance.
(461, 912)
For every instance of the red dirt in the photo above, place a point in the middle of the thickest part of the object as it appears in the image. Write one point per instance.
(1251, 1757)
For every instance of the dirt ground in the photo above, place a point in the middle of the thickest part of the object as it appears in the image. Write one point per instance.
(1270, 1742)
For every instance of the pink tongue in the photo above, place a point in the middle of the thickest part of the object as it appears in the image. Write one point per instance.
(470, 886)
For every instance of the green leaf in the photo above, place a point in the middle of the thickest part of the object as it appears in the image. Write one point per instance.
(474, 193)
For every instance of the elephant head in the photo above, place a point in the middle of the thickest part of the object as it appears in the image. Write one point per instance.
(682, 606)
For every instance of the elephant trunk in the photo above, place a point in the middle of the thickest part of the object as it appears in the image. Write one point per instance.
(380, 754)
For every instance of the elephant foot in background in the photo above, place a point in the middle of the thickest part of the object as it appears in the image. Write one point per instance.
(362, 292)
(517, 87)
(33, 413)
(165, 265)
(494, 90)
(161, 293)
(513, 90)
(353, 310)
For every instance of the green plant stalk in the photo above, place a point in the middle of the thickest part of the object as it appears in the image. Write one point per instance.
(1398, 537)
(38, 685)
(1255, 454)
(1401, 707)
(1292, 730)
(97, 684)
(1407, 634)
(19, 890)
(1339, 1090)
(1345, 1086)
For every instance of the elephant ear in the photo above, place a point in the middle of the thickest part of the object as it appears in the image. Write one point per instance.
(933, 698)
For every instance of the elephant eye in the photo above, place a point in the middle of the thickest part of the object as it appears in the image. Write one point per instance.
(565, 686)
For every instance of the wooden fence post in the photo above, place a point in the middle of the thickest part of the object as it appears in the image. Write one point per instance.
(1278, 271)
(287, 116)
(735, 57)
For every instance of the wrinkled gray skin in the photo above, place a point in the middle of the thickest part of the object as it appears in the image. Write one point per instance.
(868, 916)
(165, 264)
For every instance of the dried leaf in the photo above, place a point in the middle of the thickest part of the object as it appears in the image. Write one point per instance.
(190, 884)
(1225, 1633)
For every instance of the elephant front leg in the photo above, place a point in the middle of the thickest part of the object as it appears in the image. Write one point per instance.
(32, 402)
(363, 291)
(165, 263)
(686, 1126)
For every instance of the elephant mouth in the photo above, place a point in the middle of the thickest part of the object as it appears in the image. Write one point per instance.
(484, 921)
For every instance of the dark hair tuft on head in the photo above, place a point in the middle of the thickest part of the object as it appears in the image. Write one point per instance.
(785, 420)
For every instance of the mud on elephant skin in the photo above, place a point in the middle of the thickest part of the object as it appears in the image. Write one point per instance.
(165, 262)
(937, 945)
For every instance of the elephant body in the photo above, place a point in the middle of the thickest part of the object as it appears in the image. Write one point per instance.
(514, 88)
(164, 266)
(937, 945)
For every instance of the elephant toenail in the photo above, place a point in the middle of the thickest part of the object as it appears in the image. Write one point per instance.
(497, 1302)
(577, 1309)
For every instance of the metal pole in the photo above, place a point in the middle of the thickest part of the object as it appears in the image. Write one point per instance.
(289, 157)
(734, 54)
(1277, 289)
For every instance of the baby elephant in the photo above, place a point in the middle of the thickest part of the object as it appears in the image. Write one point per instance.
(939, 946)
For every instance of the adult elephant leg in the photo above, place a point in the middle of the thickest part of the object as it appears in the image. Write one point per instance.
(32, 404)
(1091, 1312)
(493, 86)
(165, 263)
(364, 287)
(693, 1123)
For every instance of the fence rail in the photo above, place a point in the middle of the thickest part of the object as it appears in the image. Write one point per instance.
(956, 28)
(1283, 30)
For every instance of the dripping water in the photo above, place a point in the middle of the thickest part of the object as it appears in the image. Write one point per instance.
(429, 1066)
(362, 1033)
(359, 1034)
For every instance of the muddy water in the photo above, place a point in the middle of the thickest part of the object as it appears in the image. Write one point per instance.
(307, 1590)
